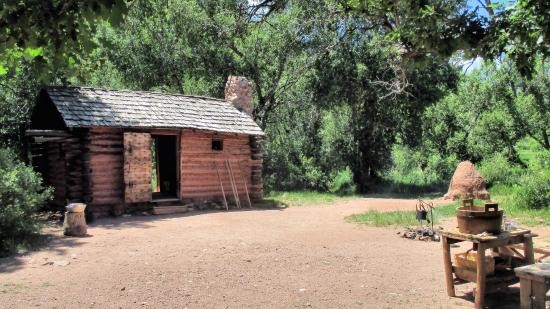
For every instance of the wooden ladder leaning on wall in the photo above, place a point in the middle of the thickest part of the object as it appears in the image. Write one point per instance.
(233, 184)
(245, 184)
(221, 186)
(232, 178)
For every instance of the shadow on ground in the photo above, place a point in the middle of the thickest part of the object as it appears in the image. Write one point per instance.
(505, 299)
(52, 241)
(144, 221)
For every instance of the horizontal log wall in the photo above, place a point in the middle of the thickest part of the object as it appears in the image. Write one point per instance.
(56, 172)
(100, 180)
(75, 178)
(199, 165)
(104, 164)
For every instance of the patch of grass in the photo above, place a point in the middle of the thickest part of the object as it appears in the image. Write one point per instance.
(400, 217)
(303, 198)
(396, 195)
(505, 196)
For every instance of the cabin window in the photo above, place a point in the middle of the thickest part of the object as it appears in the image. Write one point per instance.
(217, 144)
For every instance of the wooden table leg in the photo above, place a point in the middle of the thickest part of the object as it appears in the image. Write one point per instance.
(526, 302)
(538, 291)
(448, 266)
(480, 276)
(528, 250)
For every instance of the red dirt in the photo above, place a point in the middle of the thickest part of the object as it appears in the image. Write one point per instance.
(305, 256)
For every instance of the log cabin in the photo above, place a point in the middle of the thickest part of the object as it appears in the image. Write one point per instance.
(121, 151)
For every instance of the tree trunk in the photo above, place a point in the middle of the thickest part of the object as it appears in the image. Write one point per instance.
(75, 224)
(546, 143)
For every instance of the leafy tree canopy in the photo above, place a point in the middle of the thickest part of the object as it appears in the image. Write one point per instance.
(50, 31)
(521, 29)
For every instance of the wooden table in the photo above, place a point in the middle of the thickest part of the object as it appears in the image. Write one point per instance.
(483, 243)
(534, 283)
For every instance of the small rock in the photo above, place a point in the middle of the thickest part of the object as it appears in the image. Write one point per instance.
(302, 290)
(73, 256)
(124, 288)
(61, 263)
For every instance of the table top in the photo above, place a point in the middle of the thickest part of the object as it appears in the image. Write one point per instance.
(538, 270)
(455, 234)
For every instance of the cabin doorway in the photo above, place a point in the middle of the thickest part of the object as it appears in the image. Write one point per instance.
(164, 180)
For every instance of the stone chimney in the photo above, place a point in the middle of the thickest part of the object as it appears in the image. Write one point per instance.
(238, 90)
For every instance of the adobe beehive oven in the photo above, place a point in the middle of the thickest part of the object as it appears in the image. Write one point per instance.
(467, 183)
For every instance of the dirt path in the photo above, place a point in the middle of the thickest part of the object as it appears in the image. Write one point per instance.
(291, 258)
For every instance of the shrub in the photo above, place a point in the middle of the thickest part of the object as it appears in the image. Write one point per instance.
(342, 183)
(312, 175)
(535, 191)
(498, 170)
(415, 171)
(21, 194)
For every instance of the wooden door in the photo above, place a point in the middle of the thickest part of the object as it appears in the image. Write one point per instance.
(137, 167)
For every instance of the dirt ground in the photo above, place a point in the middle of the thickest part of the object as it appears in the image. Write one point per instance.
(298, 257)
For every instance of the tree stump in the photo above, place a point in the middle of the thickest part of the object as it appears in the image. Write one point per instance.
(75, 220)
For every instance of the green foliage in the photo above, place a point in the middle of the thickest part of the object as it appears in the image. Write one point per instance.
(21, 195)
(522, 31)
(336, 144)
(342, 183)
(16, 102)
(535, 191)
(508, 197)
(365, 74)
(499, 170)
(523, 192)
(336, 83)
(491, 111)
(521, 28)
(50, 33)
(415, 171)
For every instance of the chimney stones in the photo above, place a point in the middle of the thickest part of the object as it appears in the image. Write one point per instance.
(238, 91)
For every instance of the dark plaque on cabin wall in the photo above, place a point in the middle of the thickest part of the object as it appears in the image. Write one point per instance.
(137, 167)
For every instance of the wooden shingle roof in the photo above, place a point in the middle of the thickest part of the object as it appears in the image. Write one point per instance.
(89, 107)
